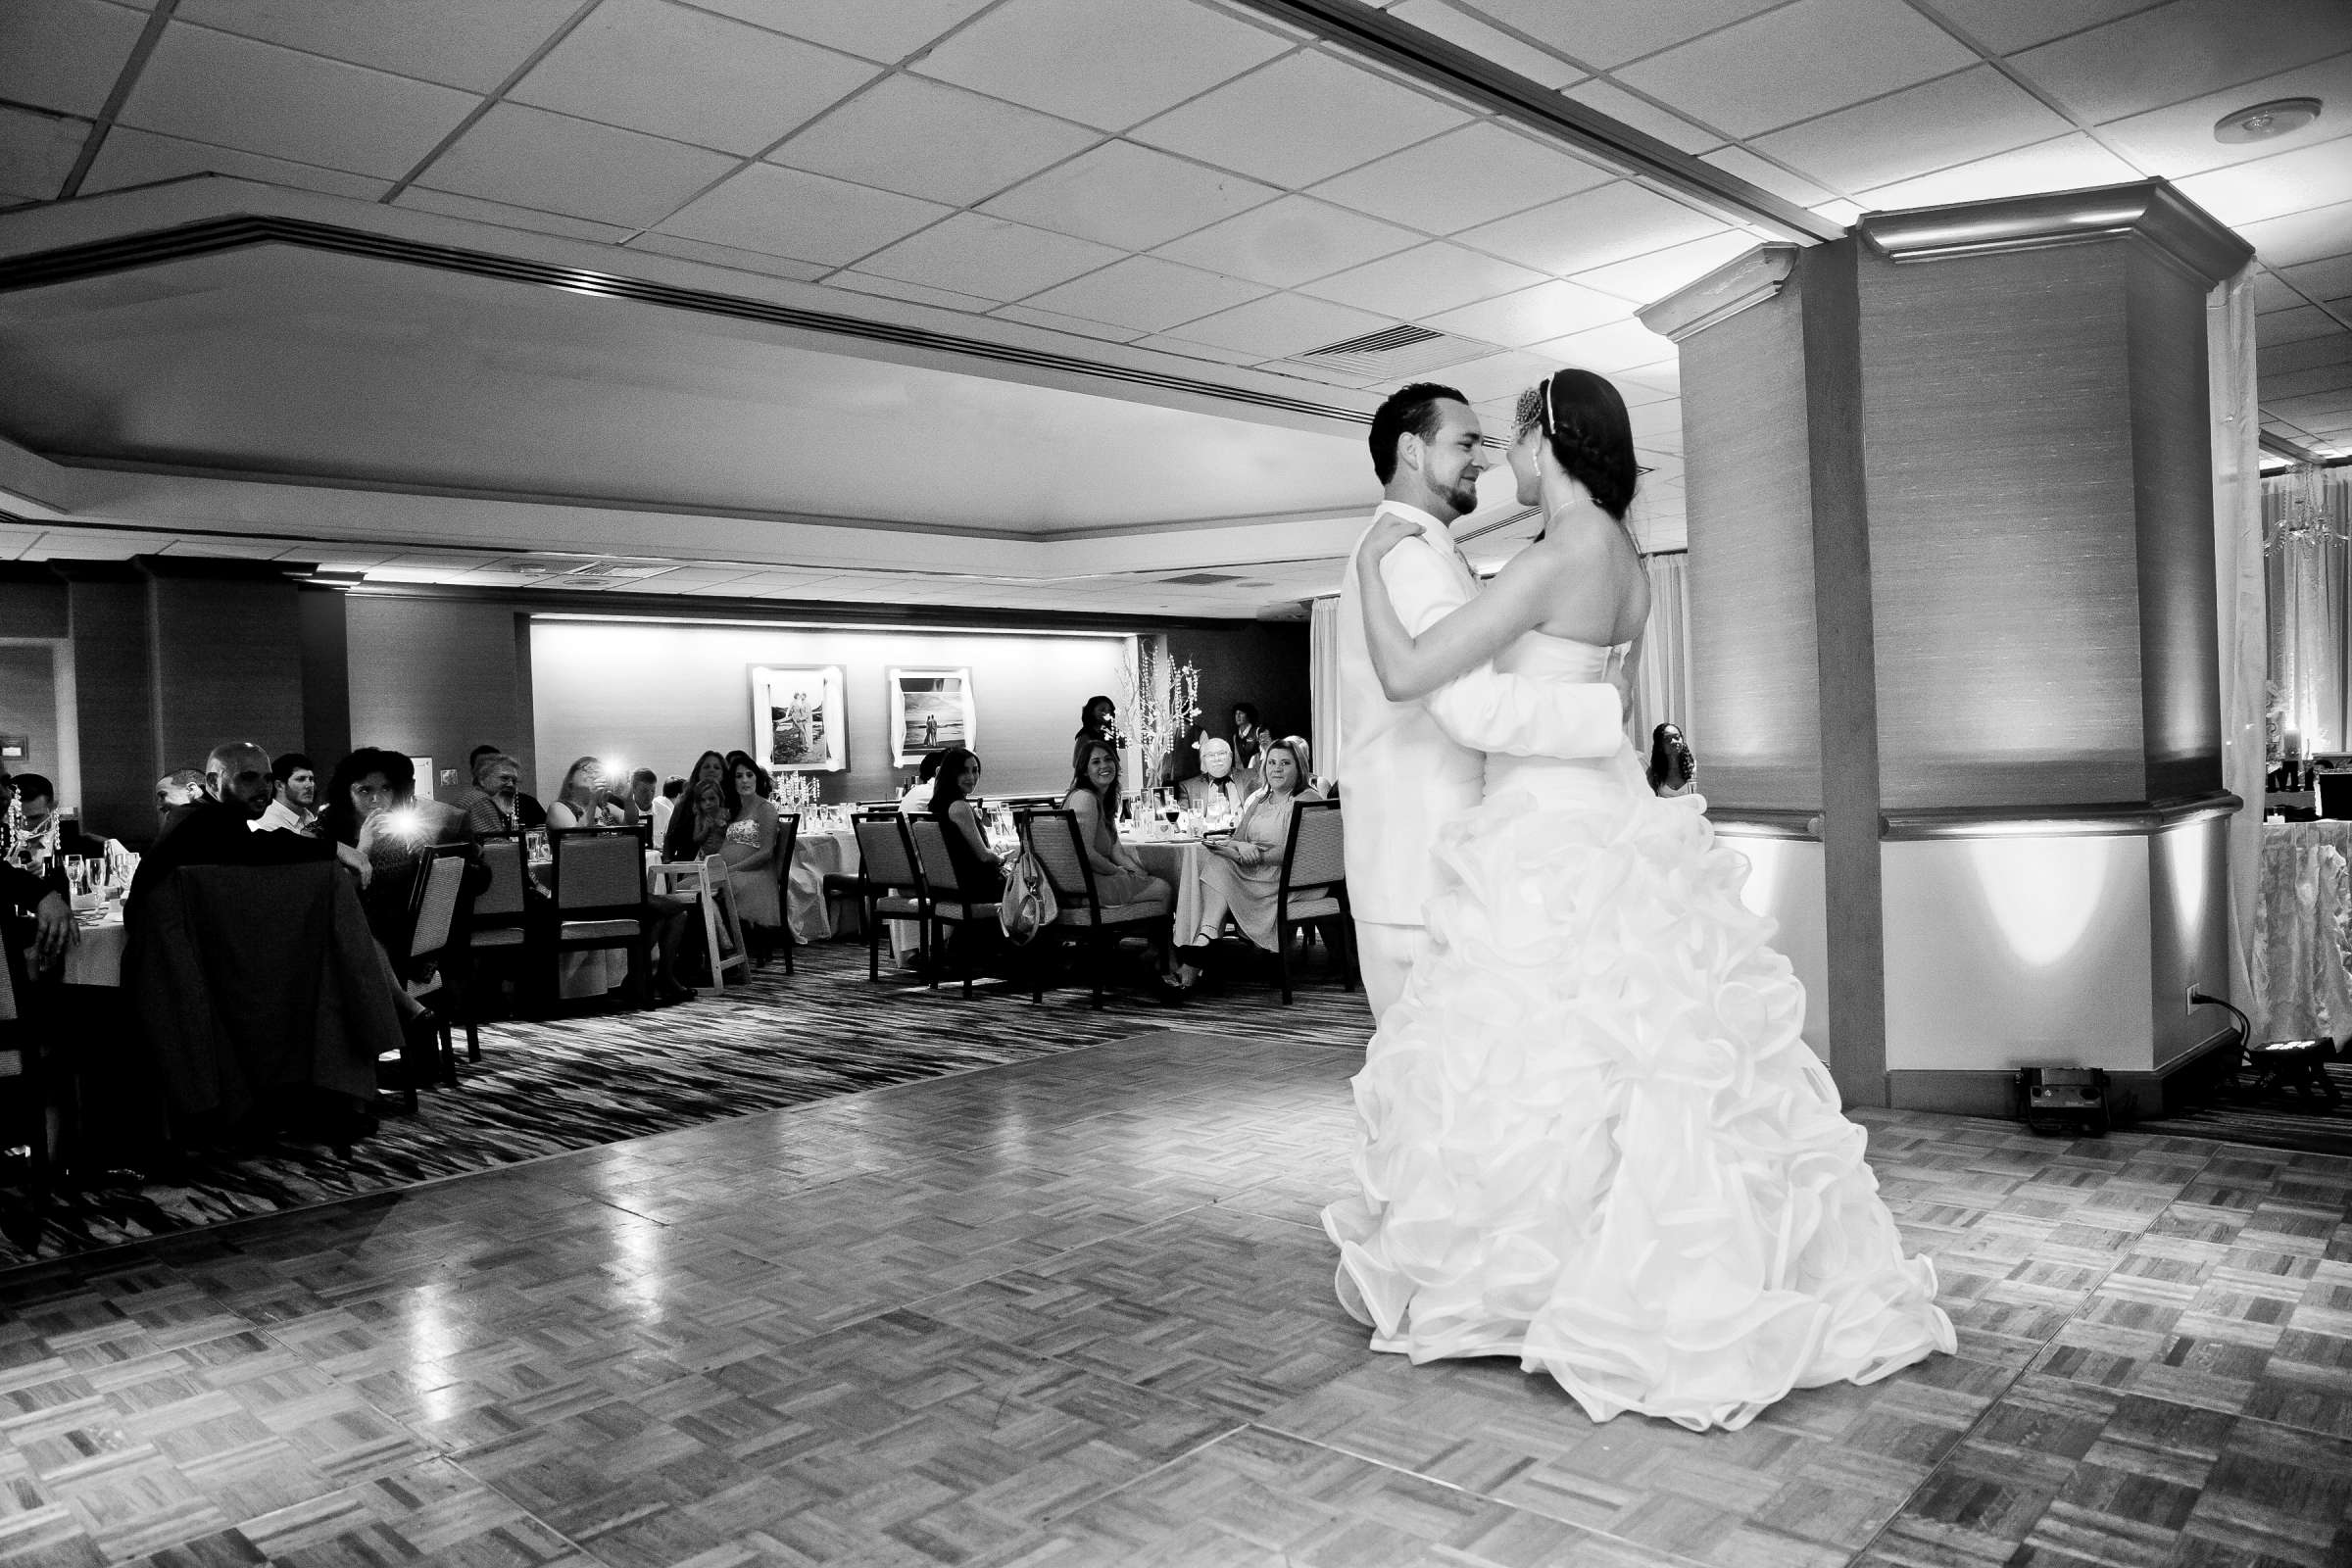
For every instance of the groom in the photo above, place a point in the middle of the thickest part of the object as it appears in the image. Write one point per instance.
(1411, 767)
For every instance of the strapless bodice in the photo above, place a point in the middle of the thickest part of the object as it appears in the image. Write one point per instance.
(1538, 656)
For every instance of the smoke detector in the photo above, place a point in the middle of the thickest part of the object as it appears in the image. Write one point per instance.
(2263, 121)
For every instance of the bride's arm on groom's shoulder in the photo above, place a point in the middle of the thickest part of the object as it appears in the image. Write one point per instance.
(1453, 638)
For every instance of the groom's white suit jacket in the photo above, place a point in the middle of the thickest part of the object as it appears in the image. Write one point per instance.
(1410, 767)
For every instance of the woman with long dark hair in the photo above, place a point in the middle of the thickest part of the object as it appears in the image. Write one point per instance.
(979, 870)
(1592, 1135)
(753, 830)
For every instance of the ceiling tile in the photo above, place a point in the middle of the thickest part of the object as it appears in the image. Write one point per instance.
(1604, 34)
(2178, 141)
(650, 65)
(946, 299)
(2064, 162)
(887, 32)
(2271, 293)
(1798, 62)
(2007, 25)
(1106, 65)
(1495, 377)
(1645, 117)
(1129, 196)
(923, 139)
(787, 213)
(1771, 176)
(2330, 279)
(2184, 49)
(1593, 228)
(1281, 325)
(1530, 315)
(1168, 343)
(2294, 325)
(450, 204)
(1056, 321)
(1471, 175)
(1645, 279)
(1289, 241)
(131, 156)
(742, 261)
(63, 54)
(1146, 293)
(1955, 119)
(2309, 354)
(975, 254)
(1513, 54)
(557, 164)
(460, 43)
(2284, 182)
(1304, 117)
(257, 97)
(1420, 282)
(1611, 349)
(2300, 236)
(37, 153)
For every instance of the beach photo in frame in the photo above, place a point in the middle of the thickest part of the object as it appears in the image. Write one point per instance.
(799, 723)
(929, 708)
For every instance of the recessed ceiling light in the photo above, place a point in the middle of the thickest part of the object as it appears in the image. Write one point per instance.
(2263, 121)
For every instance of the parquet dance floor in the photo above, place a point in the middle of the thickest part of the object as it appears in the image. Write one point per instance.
(1075, 1310)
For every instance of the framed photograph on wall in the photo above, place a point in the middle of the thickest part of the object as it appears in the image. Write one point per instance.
(929, 708)
(799, 723)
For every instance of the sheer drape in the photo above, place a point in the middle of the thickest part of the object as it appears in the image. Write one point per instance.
(1323, 687)
(1662, 679)
(2239, 593)
(2308, 602)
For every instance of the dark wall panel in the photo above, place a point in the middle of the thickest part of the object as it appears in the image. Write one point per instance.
(32, 605)
(325, 676)
(227, 665)
(1265, 662)
(115, 703)
(1755, 715)
(437, 677)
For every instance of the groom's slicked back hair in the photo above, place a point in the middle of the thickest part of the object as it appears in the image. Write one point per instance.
(1409, 410)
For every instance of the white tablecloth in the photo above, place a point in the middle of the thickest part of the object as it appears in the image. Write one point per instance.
(1177, 862)
(2301, 926)
(97, 958)
(814, 857)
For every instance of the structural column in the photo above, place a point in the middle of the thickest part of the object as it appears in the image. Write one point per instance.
(1953, 669)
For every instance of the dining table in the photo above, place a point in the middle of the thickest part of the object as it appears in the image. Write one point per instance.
(817, 854)
(1176, 858)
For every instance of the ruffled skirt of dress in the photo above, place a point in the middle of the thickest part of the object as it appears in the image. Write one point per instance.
(1593, 1138)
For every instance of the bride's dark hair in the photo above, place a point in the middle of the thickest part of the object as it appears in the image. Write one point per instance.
(1585, 420)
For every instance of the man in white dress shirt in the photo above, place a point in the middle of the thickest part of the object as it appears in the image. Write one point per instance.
(1408, 768)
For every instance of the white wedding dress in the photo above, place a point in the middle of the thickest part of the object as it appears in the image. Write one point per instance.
(1592, 1137)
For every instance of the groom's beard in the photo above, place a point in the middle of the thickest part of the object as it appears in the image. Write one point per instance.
(1464, 496)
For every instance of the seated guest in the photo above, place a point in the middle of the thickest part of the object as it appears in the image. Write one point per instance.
(216, 828)
(183, 786)
(469, 788)
(698, 825)
(54, 931)
(1241, 874)
(645, 793)
(587, 799)
(497, 806)
(1120, 875)
(672, 788)
(295, 809)
(364, 797)
(750, 850)
(1214, 791)
(979, 870)
(1251, 738)
(917, 798)
(44, 830)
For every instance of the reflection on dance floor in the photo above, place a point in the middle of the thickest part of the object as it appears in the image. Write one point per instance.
(1077, 1310)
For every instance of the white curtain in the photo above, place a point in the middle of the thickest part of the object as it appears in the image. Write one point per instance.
(1323, 687)
(2307, 606)
(1662, 678)
(2239, 586)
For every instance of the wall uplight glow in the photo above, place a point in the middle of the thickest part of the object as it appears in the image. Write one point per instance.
(2042, 892)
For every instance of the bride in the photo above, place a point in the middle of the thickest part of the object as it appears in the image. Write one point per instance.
(1593, 1138)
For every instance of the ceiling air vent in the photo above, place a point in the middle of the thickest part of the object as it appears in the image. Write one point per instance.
(1393, 351)
(1498, 525)
(1202, 579)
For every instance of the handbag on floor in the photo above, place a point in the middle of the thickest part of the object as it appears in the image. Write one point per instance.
(1028, 904)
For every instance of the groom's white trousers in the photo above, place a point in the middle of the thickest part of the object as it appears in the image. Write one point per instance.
(1387, 955)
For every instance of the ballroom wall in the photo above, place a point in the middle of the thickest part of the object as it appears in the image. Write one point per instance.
(657, 695)
(29, 704)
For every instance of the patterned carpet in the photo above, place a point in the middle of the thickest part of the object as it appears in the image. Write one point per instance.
(574, 1083)
(2303, 1123)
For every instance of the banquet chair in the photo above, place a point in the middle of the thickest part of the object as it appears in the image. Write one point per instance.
(950, 903)
(1314, 886)
(1052, 837)
(495, 929)
(890, 881)
(788, 842)
(432, 930)
(706, 881)
(25, 1080)
(598, 883)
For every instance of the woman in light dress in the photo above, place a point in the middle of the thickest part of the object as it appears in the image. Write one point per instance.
(753, 830)
(1241, 874)
(1593, 1138)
